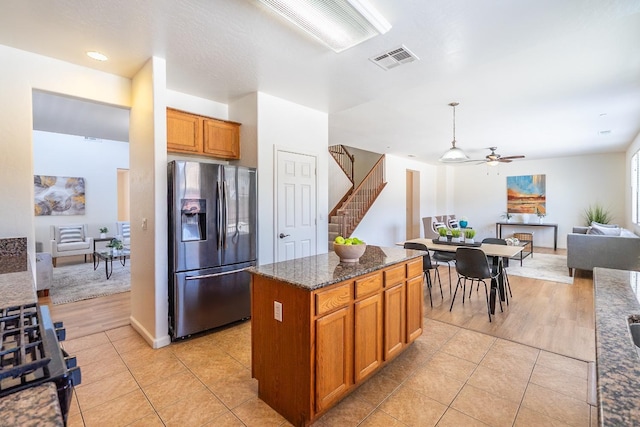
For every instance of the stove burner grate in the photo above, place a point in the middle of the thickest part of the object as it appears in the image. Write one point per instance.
(22, 349)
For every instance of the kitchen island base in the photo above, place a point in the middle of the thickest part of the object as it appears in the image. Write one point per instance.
(312, 347)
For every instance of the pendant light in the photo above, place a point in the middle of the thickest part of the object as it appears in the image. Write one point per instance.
(454, 154)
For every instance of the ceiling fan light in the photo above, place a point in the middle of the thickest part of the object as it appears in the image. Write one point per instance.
(493, 163)
(454, 155)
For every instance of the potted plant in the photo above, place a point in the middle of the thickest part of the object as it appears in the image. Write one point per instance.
(442, 231)
(540, 214)
(469, 234)
(455, 234)
(507, 215)
(116, 245)
(103, 232)
(597, 213)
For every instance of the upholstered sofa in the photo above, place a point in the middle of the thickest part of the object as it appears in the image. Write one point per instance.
(586, 251)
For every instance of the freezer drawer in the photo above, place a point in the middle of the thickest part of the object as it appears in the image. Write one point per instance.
(206, 299)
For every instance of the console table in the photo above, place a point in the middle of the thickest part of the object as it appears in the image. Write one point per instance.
(499, 226)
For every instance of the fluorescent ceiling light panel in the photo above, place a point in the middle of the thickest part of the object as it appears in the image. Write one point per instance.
(340, 24)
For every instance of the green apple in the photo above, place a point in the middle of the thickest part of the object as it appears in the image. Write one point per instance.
(339, 240)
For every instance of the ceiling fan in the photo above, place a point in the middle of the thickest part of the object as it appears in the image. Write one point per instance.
(494, 158)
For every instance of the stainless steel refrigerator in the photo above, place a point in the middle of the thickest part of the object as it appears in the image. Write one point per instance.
(212, 242)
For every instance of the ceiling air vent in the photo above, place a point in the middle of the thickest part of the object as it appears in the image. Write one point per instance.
(394, 57)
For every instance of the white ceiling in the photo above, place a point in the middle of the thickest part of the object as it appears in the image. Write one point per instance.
(532, 77)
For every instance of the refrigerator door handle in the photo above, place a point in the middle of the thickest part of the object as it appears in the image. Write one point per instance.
(219, 208)
(205, 276)
(225, 193)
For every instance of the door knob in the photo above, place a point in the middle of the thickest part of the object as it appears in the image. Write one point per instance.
(282, 235)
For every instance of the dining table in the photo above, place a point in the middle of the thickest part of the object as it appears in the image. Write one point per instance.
(500, 252)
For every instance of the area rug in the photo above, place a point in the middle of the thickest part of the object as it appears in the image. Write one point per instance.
(552, 268)
(80, 282)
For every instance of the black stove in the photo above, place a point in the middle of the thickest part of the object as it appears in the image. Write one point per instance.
(30, 353)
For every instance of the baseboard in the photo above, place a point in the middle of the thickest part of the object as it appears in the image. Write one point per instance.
(148, 337)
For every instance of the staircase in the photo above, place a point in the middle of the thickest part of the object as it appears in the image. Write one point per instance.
(346, 216)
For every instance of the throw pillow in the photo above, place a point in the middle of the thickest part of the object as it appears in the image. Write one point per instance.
(70, 234)
(437, 225)
(605, 225)
(126, 231)
(604, 231)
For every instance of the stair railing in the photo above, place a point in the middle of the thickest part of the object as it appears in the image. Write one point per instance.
(344, 159)
(357, 205)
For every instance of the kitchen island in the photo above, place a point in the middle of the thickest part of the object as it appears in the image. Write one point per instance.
(617, 303)
(320, 328)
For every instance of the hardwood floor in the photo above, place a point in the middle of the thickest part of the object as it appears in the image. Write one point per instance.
(90, 316)
(547, 315)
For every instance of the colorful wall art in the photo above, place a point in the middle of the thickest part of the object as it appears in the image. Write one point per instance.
(58, 195)
(526, 194)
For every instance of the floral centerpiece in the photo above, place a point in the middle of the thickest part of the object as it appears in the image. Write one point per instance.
(115, 244)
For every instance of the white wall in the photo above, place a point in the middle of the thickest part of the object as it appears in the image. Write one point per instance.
(572, 184)
(245, 111)
(97, 161)
(385, 223)
(20, 73)
(363, 161)
(633, 147)
(285, 125)
(197, 105)
(338, 184)
(149, 246)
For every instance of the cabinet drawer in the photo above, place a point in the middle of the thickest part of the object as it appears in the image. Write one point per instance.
(414, 268)
(368, 285)
(332, 299)
(393, 276)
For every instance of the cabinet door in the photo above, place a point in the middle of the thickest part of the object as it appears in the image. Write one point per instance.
(334, 357)
(394, 320)
(184, 132)
(414, 308)
(367, 317)
(221, 139)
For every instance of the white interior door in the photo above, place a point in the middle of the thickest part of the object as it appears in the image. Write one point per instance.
(296, 228)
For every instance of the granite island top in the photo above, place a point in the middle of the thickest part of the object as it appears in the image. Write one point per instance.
(17, 289)
(617, 362)
(318, 271)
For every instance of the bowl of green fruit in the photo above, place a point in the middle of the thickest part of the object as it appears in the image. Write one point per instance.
(349, 249)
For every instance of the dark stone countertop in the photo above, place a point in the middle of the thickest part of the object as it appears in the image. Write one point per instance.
(322, 270)
(617, 362)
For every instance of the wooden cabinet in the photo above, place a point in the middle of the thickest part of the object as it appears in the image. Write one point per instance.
(367, 325)
(331, 339)
(334, 341)
(194, 134)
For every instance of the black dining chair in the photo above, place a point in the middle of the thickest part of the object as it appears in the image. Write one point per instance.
(505, 264)
(472, 264)
(427, 266)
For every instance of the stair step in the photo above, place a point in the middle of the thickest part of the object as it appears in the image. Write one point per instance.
(334, 227)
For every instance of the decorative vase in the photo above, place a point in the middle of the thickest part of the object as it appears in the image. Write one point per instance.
(525, 218)
(463, 224)
(541, 219)
(455, 239)
(443, 238)
(469, 240)
(103, 235)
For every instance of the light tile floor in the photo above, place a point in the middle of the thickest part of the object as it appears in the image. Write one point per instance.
(448, 377)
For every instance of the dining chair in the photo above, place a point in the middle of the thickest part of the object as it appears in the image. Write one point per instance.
(472, 264)
(505, 264)
(427, 266)
(445, 258)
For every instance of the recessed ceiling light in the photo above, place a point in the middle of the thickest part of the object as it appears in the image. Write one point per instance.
(97, 55)
(340, 24)
(603, 114)
(605, 132)
(411, 155)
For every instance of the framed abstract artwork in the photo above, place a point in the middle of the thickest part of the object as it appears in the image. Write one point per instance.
(58, 195)
(526, 194)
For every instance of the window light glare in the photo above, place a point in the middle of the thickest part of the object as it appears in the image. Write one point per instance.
(97, 55)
